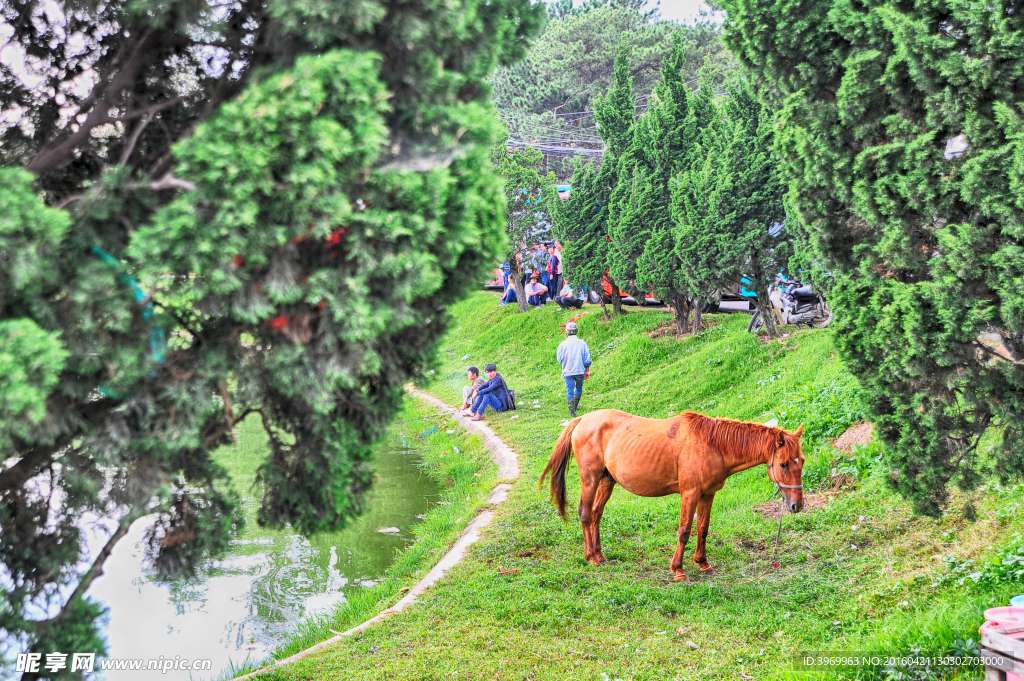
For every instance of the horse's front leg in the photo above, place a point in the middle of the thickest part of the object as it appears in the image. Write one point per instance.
(687, 505)
(700, 556)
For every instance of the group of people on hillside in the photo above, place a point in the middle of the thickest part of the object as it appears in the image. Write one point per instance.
(573, 354)
(541, 279)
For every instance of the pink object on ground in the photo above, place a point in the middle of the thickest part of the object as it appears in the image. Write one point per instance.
(1002, 617)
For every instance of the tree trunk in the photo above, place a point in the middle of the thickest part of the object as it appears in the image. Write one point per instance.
(698, 312)
(517, 283)
(616, 297)
(767, 313)
(680, 312)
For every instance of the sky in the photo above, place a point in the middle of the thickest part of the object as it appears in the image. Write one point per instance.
(684, 11)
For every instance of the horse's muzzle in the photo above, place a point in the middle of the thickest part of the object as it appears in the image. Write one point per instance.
(793, 503)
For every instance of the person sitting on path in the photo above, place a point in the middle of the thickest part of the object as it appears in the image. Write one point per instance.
(491, 394)
(535, 292)
(469, 391)
(574, 355)
(566, 299)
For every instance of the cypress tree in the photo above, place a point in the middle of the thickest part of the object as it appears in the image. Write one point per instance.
(901, 139)
(666, 143)
(760, 247)
(579, 224)
(260, 215)
(616, 117)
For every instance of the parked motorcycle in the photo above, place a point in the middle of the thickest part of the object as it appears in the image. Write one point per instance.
(792, 303)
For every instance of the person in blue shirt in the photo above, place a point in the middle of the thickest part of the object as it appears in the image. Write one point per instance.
(574, 355)
(493, 394)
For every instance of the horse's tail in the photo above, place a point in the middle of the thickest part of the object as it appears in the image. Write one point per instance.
(557, 463)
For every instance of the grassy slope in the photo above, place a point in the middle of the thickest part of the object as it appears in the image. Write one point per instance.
(561, 618)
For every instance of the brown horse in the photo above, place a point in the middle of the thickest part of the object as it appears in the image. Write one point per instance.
(690, 455)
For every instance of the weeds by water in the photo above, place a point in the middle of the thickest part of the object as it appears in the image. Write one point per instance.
(466, 474)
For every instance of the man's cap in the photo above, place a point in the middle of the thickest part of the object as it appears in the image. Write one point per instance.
(490, 367)
(570, 327)
(534, 276)
(473, 370)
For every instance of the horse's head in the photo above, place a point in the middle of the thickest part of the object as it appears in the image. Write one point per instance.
(786, 468)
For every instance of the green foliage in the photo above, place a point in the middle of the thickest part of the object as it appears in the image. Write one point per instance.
(31, 361)
(579, 225)
(1005, 566)
(926, 245)
(729, 206)
(281, 239)
(583, 224)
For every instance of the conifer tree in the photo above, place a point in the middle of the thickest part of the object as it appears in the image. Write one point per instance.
(579, 224)
(616, 117)
(665, 144)
(901, 140)
(262, 212)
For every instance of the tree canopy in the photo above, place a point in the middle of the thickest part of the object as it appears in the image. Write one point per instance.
(901, 138)
(257, 212)
(550, 94)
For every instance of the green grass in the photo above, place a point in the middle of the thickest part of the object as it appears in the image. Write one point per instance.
(561, 618)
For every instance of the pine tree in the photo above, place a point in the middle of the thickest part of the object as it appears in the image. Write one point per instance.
(579, 225)
(900, 135)
(616, 117)
(666, 143)
(759, 248)
(263, 215)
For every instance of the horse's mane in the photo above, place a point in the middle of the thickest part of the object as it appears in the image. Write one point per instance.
(733, 435)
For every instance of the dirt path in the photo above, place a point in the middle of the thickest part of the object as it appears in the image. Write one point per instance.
(508, 470)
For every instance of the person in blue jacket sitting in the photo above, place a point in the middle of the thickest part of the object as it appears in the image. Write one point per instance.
(493, 394)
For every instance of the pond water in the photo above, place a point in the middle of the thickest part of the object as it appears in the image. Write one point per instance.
(249, 602)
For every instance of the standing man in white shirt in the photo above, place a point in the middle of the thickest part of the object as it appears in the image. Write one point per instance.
(574, 355)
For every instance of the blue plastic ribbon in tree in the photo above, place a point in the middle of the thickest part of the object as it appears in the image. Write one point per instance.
(157, 339)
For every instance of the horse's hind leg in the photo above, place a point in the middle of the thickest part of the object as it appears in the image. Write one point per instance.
(688, 503)
(700, 557)
(589, 482)
(604, 492)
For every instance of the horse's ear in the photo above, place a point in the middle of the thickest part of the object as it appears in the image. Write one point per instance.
(782, 438)
(799, 431)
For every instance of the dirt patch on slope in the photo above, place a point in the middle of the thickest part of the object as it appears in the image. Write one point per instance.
(669, 329)
(858, 434)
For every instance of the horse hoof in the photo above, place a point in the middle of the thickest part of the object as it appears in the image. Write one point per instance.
(707, 569)
(595, 561)
(679, 578)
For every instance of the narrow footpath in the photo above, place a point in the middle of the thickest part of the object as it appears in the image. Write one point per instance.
(508, 470)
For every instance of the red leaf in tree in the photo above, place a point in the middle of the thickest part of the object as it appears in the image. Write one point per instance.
(335, 238)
